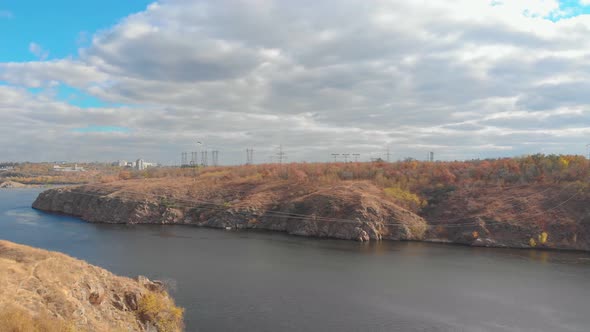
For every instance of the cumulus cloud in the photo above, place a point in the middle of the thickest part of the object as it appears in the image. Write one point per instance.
(463, 78)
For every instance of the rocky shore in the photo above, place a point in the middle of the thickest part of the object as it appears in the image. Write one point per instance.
(13, 184)
(368, 216)
(352, 211)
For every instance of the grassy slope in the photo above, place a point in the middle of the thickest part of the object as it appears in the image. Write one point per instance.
(48, 291)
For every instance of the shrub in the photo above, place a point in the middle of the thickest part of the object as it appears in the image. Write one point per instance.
(160, 310)
(405, 197)
(543, 237)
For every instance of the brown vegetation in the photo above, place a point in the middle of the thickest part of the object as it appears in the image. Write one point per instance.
(43, 174)
(15, 319)
(48, 291)
(505, 202)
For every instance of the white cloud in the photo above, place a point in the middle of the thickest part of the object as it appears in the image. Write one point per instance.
(462, 77)
(46, 73)
(38, 51)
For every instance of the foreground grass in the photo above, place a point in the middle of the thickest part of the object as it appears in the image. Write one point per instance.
(14, 319)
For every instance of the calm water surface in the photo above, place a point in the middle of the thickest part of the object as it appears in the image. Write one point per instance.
(253, 281)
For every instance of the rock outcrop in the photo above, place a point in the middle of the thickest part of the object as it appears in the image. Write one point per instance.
(356, 211)
(12, 184)
(516, 217)
(39, 283)
(553, 216)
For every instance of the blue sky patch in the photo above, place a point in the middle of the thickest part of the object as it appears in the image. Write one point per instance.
(102, 129)
(60, 27)
(569, 9)
(78, 98)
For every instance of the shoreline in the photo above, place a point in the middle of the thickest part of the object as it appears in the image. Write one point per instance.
(441, 242)
(363, 216)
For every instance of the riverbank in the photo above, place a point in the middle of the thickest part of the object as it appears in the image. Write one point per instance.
(14, 184)
(268, 281)
(49, 291)
(350, 210)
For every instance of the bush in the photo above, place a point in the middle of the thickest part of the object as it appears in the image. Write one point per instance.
(160, 310)
(406, 198)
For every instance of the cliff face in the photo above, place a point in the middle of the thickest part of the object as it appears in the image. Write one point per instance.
(354, 212)
(520, 217)
(527, 216)
(64, 291)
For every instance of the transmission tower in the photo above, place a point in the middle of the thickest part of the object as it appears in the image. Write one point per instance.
(335, 155)
(388, 154)
(194, 158)
(204, 160)
(249, 156)
(356, 157)
(183, 159)
(281, 155)
(345, 155)
(215, 157)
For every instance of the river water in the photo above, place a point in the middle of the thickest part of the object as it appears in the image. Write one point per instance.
(260, 281)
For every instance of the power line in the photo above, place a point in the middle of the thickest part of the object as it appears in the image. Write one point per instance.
(194, 158)
(204, 159)
(215, 157)
(249, 156)
(281, 155)
(335, 155)
(345, 155)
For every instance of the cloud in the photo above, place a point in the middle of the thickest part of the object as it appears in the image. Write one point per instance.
(38, 51)
(462, 78)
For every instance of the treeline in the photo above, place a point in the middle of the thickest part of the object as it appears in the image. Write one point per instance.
(538, 169)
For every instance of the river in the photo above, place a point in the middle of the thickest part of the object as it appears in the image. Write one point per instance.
(261, 281)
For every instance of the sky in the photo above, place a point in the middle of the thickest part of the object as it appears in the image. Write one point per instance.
(466, 79)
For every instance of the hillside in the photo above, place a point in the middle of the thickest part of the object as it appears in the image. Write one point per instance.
(355, 210)
(537, 201)
(49, 291)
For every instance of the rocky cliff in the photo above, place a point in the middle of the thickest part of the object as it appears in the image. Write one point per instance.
(356, 211)
(555, 216)
(49, 291)
(522, 217)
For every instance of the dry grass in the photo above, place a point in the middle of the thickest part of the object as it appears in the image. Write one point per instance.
(15, 319)
(48, 291)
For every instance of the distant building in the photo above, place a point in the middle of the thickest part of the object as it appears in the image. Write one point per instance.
(139, 164)
(120, 163)
(74, 168)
